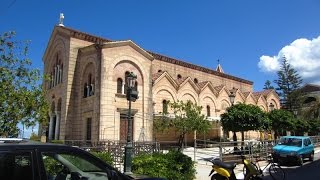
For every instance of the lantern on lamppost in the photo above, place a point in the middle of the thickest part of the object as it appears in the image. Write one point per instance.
(232, 96)
(132, 95)
(271, 107)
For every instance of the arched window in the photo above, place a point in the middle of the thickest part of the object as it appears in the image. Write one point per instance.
(195, 80)
(56, 72)
(164, 106)
(159, 70)
(91, 85)
(208, 111)
(179, 76)
(119, 85)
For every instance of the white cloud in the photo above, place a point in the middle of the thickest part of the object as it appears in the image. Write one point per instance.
(302, 54)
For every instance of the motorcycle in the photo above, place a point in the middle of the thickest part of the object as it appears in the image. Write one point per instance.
(225, 171)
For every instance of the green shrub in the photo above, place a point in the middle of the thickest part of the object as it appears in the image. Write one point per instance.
(104, 156)
(35, 137)
(172, 166)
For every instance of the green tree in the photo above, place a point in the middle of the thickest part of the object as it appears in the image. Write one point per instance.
(300, 126)
(21, 98)
(187, 119)
(267, 85)
(311, 114)
(288, 83)
(281, 121)
(244, 117)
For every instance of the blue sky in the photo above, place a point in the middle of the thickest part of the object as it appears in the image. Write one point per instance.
(248, 36)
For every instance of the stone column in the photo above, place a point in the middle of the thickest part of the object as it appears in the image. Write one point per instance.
(51, 115)
(58, 74)
(57, 129)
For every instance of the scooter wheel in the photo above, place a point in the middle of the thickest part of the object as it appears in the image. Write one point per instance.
(218, 177)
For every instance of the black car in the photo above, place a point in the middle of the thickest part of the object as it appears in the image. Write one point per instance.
(21, 160)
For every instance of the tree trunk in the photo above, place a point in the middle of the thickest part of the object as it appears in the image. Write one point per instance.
(180, 143)
(242, 140)
(235, 144)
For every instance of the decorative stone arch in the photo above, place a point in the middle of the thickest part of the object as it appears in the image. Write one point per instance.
(188, 96)
(224, 105)
(204, 104)
(133, 61)
(262, 102)
(56, 60)
(184, 92)
(274, 102)
(59, 46)
(167, 89)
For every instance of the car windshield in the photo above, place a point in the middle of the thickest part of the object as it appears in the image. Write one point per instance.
(290, 142)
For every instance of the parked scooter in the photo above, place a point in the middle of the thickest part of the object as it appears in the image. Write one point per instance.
(222, 170)
(225, 171)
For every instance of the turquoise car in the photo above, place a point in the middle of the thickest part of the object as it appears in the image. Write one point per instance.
(293, 148)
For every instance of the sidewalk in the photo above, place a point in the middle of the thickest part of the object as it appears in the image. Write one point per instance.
(203, 166)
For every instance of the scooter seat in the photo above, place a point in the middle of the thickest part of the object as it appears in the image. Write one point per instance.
(227, 165)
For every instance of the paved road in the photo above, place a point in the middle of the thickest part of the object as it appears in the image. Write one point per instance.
(309, 170)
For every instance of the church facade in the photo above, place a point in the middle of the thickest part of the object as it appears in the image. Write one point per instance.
(86, 89)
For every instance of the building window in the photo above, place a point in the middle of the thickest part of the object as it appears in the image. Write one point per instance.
(159, 70)
(88, 135)
(208, 111)
(165, 106)
(119, 85)
(195, 80)
(179, 76)
(89, 86)
(56, 73)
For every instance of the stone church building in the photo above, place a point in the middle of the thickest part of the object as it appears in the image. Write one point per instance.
(87, 96)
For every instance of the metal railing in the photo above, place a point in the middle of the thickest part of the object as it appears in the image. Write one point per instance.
(115, 148)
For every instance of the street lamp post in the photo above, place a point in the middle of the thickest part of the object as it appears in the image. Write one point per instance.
(271, 108)
(232, 96)
(132, 95)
